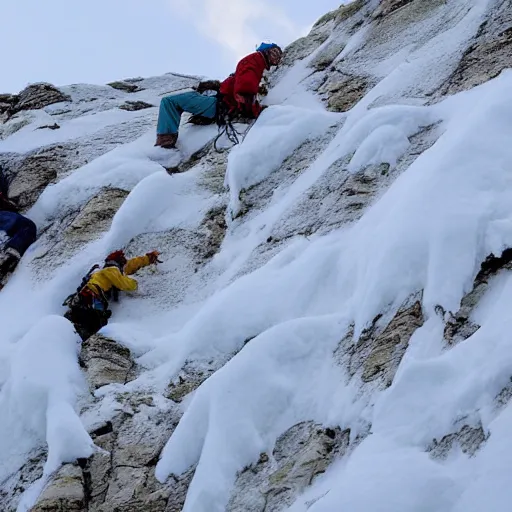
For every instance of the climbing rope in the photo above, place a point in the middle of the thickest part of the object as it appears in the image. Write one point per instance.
(233, 135)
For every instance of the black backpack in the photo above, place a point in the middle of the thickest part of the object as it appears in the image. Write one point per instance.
(75, 299)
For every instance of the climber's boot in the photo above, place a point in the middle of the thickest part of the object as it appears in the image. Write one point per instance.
(167, 141)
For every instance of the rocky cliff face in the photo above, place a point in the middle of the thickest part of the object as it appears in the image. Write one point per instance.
(295, 324)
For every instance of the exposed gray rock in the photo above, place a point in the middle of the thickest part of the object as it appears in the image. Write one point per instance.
(302, 453)
(390, 346)
(7, 102)
(378, 354)
(97, 214)
(33, 173)
(459, 326)
(178, 492)
(142, 437)
(338, 197)
(418, 22)
(341, 14)
(303, 47)
(125, 486)
(122, 479)
(504, 396)
(133, 106)
(188, 380)
(37, 96)
(98, 470)
(342, 95)
(325, 57)
(215, 224)
(106, 362)
(124, 86)
(65, 492)
(66, 236)
(468, 439)
(12, 488)
(213, 180)
(483, 61)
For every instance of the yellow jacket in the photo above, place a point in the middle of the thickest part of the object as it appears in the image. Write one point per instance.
(111, 276)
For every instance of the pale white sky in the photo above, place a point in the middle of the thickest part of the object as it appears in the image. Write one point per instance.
(70, 41)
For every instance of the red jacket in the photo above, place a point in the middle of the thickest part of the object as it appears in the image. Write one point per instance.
(239, 90)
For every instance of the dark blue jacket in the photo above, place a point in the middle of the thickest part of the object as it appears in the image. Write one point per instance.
(22, 232)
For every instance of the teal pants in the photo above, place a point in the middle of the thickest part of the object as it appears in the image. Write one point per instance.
(171, 108)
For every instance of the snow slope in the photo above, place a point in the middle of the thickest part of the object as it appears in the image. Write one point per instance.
(273, 313)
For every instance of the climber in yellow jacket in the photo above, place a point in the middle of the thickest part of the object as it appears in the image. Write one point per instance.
(88, 307)
(116, 270)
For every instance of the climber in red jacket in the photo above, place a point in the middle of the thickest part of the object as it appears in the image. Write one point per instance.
(239, 90)
(236, 95)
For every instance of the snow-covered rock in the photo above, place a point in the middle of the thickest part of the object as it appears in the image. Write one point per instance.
(329, 328)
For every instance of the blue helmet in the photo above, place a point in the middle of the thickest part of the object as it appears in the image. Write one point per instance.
(266, 46)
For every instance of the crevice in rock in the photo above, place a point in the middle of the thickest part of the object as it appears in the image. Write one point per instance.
(108, 428)
(482, 61)
(379, 350)
(191, 161)
(459, 326)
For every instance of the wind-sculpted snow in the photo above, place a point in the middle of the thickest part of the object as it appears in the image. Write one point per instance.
(270, 386)
(38, 400)
(429, 232)
(286, 128)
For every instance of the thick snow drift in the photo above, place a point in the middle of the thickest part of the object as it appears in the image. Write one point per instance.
(39, 395)
(281, 130)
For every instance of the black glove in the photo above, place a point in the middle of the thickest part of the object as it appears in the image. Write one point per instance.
(208, 85)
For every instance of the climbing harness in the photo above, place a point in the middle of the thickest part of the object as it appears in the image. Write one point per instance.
(78, 299)
(231, 133)
(227, 128)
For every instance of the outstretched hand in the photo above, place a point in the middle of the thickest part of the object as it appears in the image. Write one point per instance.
(153, 257)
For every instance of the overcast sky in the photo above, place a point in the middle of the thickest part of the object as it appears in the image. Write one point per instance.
(96, 41)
